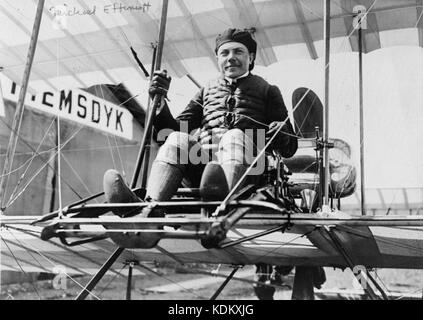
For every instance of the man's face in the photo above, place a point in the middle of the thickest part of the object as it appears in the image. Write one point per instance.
(233, 59)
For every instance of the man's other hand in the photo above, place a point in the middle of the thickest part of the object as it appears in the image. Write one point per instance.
(281, 138)
(160, 83)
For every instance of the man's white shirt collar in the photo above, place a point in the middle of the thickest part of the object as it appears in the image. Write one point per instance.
(231, 80)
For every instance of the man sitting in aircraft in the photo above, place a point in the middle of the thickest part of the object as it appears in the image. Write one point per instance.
(223, 111)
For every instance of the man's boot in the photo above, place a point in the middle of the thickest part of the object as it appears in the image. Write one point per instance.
(213, 185)
(116, 191)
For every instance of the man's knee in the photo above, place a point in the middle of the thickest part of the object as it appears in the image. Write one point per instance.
(233, 136)
(236, 147)
(176, 148)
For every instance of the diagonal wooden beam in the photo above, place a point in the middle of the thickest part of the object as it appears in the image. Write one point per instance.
(419, 24)
(197, 31)
(299, 13)
(247, 17)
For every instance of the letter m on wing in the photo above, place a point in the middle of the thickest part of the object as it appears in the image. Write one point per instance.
(65, 100)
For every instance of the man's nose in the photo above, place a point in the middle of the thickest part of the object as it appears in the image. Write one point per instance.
(231, 55)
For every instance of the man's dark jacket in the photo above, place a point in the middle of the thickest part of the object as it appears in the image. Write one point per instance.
(251, 103)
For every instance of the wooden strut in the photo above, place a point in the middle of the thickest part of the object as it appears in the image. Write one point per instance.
(158, 99)
(149, 125)
(224, 284)
(130, 265)
(360, 82)
(326, 174)
(104, 268)
(146, 159)
(303, 282)
(17, 120)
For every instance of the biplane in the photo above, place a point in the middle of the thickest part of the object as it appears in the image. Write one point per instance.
(297, 215)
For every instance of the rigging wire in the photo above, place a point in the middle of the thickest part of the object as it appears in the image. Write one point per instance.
(122, 170)
(19, 265)
(110, 148)
(23, 164)
(279, 246)
(36, 234)
(78, 176)
(412, 292)
(68, 150)
(29, 252)
(58, 133)
(119, 273)
(11, 201)
(30, 162)
(418, 20)
(25, 244)
(39, 154)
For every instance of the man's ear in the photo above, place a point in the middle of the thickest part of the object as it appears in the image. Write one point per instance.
(252, 57)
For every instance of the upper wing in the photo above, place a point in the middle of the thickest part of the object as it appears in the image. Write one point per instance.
(82, 44)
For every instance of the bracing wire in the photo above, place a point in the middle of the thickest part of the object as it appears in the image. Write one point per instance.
(30, 247)
(20, 266)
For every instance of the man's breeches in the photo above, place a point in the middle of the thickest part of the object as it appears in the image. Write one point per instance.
(183, 151)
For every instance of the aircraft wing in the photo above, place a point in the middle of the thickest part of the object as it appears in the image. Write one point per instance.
(82, 44)
(312, 240)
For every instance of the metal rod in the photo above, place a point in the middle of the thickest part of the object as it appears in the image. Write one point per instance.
(157, 98)
(105, 267)
(326, 33)
(223, 285)
(360, 81)
(20, 106)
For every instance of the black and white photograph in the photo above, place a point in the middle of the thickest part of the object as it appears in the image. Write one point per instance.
(182, 151)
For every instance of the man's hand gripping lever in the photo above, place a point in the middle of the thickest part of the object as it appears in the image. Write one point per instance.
(159, 84)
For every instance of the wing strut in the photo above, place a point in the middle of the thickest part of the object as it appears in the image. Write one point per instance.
(17, 120)
(104, 268)
(158, 99)
(326, 173)
(224, 284)
(360, 82)
(148, 146)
